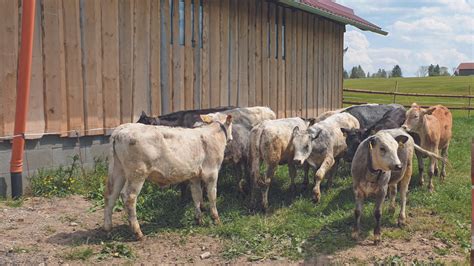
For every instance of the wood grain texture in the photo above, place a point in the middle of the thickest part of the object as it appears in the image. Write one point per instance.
(273, 64)
(178, 61)
(281, 65)
(155, 57)
(126, 29)
(8, 66)
(234, 52)
(35, 118)
(110, 64)
(205, 59)
(197, 58)
(73, 64)
(288, 60)
(259, 22)
(188, 56)
(304, 66)
(214, 52)
(243, 53)
(265, 55)
(294, 60)
(92, 61)
(310, 66)
(251, 51)
(299, 64)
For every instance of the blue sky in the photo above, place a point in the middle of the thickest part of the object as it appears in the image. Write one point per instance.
(421, 32)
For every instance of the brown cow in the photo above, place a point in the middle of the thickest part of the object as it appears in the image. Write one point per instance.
(433, 125)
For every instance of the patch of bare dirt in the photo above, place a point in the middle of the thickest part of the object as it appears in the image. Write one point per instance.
(47, 230)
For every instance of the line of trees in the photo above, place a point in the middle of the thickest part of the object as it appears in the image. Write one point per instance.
(358, 72)
(432, 71)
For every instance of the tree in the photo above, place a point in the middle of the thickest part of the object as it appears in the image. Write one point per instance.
(345, 75)
(436, 70)
(443, 71)
(357, 72)
(360, 72)
(396, 72)
(383, 74)
(368, 74)
(431, 70)
(353, 73)
(422, 71)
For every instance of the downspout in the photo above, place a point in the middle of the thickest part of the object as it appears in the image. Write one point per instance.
(22, 96)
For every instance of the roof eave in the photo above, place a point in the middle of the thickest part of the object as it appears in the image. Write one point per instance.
(332, 16)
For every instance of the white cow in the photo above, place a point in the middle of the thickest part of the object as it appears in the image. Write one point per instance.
(165, 156)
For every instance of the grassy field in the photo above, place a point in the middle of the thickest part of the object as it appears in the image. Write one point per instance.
(436, 85)
(295, 227)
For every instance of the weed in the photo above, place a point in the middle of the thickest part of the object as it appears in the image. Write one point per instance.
(80, 253)
(117, 250)
(14, 203)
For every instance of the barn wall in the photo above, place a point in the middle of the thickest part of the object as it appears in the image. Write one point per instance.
(97, 64)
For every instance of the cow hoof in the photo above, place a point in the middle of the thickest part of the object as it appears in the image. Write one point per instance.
(199, 221)
(140, 236)
(317, 198)
(401, 223)
(431, 189)
(107, 228)
(293, 188)
(217, 221)
(391, 210)
(304, 187)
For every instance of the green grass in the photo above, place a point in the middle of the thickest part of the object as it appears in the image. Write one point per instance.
(79, 253)
(297, 228)
(432, 85)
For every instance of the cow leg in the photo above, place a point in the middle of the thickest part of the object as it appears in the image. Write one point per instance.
(196, 193)
(306, 177)
(380, 197)
(115, 183)
(359, 198)
(404, 183)
(318, 177)
(266, 185)
(421, 167)
(255, 177)
(431, 173)
(212, 195)
(332, 173)
(131, 193)
(444, 154)
(292, 173)
(392, 193)
(183, 187)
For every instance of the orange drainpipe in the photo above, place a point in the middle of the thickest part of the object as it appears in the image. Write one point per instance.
(22, 95)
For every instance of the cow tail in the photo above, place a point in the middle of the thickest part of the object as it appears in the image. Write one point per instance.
(255, 158)
(428, 153)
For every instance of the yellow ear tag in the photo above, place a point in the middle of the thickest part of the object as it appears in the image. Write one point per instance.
(206, 119)
(370, 145)
(401, 145)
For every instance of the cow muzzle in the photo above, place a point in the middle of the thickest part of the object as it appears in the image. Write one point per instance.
(298, 161)
(397, 167)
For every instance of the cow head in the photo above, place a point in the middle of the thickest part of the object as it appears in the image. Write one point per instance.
(415, 116)
(148, 120)
(302, 143)
(224, 122)
(354, 137)
(384, 151)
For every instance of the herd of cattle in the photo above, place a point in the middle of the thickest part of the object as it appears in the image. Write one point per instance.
(188, 147)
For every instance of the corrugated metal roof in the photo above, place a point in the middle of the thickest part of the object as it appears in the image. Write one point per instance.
(465, 66)
(334, 11)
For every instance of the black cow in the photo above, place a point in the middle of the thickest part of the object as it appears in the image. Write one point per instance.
(185, 118)
(372, 118)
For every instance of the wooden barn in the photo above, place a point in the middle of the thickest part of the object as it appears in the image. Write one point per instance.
(98, 64)
(465, 69)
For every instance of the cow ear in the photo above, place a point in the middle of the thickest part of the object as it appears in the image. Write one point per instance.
(295, 130)
(143, 114)
(312, 121)
(372, 142)
(401, 139)
(228, 120)
(413, 105)
(344, 132)
(430, 110)
(315, 135)
(206, 118)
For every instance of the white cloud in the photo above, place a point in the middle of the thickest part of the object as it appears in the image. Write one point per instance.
(422, 25)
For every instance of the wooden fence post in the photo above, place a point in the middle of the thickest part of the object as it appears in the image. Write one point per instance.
(395, 91)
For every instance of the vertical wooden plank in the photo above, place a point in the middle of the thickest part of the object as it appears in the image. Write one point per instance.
(170, 54)
(74, 83)
(126, 12)
(299, 65)
(341, 64)
(188, 56)
(155, 63)
(205, 59)
(214, 54)
(310, 64)
(53, 73)
(251, 51)
(304, 69)
(243, 53)
(178, 61)
(321, 100)
(330, 64)
(316, 67)
(92, 72)
(35, 119)
(8, 66)
(265, 55)
(197, 57)
(141, 45)
(110, 64)
(259, 21)
(326, 74)
(281, 65)
(273, 64)
(224, 53)
(288, 61)
(234, 52)
(294, 61)
(165, 57)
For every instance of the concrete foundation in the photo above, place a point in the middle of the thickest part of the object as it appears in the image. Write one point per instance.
(50, 152)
